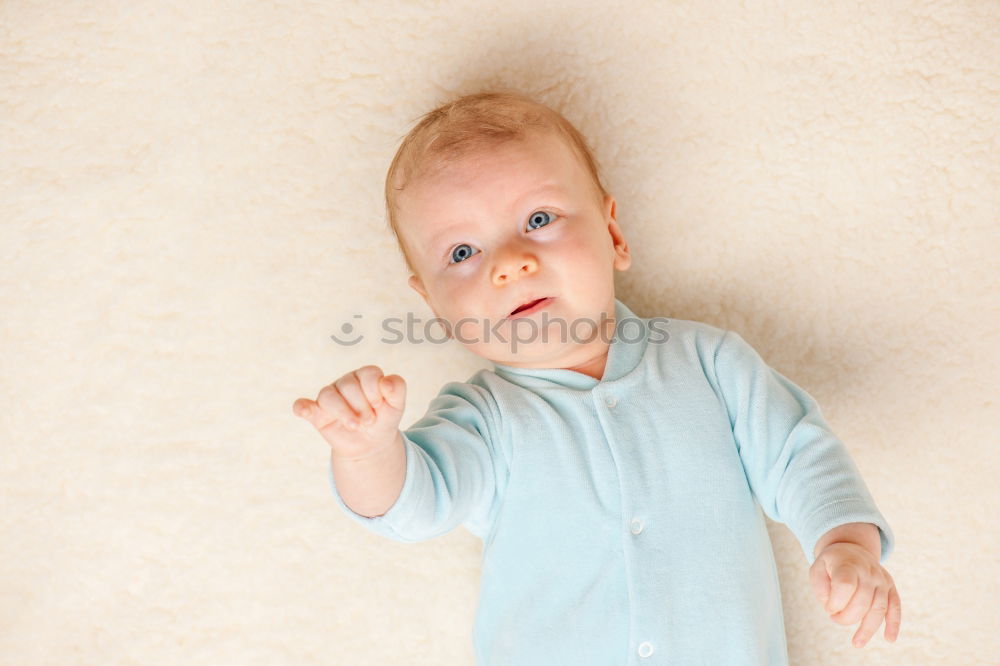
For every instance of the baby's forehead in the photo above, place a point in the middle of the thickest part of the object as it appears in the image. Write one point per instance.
(532, 159)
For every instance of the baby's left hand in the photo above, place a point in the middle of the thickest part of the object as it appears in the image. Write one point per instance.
(852, 584)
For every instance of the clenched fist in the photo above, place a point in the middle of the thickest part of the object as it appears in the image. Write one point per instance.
(358, 414)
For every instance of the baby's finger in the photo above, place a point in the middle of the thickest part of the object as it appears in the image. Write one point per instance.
(856, 608)
(305, 408)
(311, 411)
(334, 407)
(843, 583)
(350, 388)
(894, 615)
(820, 581)
(369, 376)
(873, 618)
(393, 388)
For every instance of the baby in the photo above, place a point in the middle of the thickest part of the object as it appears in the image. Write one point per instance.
(617, 468)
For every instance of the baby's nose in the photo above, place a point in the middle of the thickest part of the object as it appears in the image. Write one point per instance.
(514, 268)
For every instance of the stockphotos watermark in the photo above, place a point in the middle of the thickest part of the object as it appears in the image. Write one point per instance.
(414, 330)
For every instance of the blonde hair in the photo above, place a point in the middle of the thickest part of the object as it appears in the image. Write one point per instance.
(469, 124)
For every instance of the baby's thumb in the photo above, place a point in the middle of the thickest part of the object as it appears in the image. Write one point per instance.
(393, 388)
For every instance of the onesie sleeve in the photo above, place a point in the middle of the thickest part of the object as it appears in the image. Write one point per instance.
(450, 470)
(799, 471)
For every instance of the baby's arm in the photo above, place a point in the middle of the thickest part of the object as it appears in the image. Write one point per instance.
(415, 484)
(358, 415)
(803, 476)
(798, 469)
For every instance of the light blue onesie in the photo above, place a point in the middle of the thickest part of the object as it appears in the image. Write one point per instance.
(618, 517)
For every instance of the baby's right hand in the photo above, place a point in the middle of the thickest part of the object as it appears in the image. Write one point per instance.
(359, 414)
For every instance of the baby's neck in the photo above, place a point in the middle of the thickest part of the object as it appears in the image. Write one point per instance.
(594, 367)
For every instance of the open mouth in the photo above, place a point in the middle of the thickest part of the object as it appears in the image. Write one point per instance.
(530, 306)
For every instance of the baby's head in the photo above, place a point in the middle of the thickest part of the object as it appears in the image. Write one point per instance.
(495, 201)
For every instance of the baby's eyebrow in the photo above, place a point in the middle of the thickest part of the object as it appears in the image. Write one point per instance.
(546, 188)
(438, 240)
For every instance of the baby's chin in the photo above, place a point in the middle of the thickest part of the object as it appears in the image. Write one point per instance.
(555, 347)
(537, 354)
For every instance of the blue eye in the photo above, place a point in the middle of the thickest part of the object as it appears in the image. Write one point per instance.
(461, 253)
(539, 219)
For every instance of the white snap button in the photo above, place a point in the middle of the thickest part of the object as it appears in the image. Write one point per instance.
(612, 401)
(636, 526)
(645, 650)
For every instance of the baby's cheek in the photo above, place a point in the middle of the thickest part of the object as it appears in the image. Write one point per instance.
(575, 246)
(456, 306)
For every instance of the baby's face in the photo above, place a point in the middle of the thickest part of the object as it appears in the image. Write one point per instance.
(508, 226)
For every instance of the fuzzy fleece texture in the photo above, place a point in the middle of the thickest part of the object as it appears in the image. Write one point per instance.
(190, 205)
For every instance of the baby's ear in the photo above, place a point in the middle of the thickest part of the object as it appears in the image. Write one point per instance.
(417, 286)
(609, 208)
(623, 259)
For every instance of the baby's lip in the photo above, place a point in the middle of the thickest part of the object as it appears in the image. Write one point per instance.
(527, 304)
